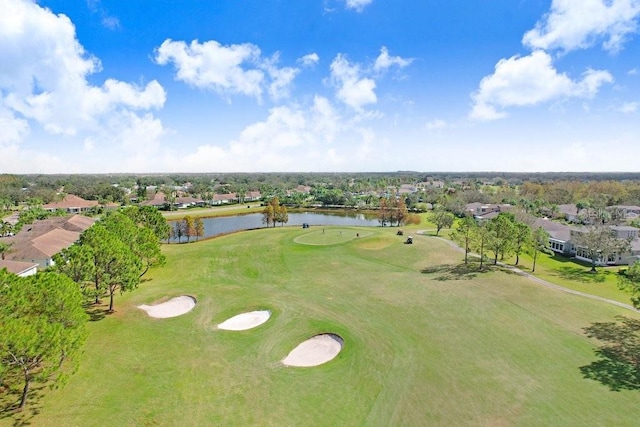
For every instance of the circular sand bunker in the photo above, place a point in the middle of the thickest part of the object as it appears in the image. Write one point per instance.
(315, 351)
(245, 321)
(174, 307)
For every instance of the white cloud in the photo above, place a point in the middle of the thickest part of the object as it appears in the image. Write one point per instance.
(281, 78)
(530, 80)
(14, 159)
(629, 107)
(107, 20)
(358, 5)
(356, 83)
(210, 65)
(436, 124)
(354, 89)
(385, 61)
(227, 70)
(579, 24)
(12, 129)
(47, 81)
(309, 59)
(292, 138)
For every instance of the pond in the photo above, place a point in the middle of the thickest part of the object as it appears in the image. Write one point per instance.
(229, 224)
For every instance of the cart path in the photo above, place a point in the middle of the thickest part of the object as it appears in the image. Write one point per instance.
(537, 279)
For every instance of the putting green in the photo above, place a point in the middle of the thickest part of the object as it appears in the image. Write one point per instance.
(331, 236)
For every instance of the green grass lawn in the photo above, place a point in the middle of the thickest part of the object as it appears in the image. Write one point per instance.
(426, 342)
(212, 212)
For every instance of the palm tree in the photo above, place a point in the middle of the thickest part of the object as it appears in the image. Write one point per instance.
(4, 249)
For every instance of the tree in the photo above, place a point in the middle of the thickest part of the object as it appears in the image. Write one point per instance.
(539, 242)
(281, 215)
(4, 249)
(75, 262)
(268, 215)
(150, 217)
(5, 228)
(42, 325)
(502, 236)
(178, 229)
(441, 218)
(199, 227)
(147, 248)
(630, 281)
(596, 243)
(273, 213)
(463, 234)
(189, 227)
(481, 238)
(399, 210)
(384, 214)
(142, 240)
(521, 237)
(113, 264)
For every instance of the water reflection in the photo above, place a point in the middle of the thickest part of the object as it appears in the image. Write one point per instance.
(221, 225)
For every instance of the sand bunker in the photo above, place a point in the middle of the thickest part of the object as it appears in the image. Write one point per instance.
(174, 307)
(315, 351)
(245, 321)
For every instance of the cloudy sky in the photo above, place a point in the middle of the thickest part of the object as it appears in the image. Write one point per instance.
(319, 85)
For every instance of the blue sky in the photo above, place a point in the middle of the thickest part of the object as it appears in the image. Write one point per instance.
(102, 86)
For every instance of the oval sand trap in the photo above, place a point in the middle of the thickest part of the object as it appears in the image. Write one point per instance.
(245, 321)
(315, 351)
(174, 307)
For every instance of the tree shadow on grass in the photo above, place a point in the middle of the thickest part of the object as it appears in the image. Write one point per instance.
(618, 366)
(95, 312)
(10, 399)
(581, 274)
(445, 272)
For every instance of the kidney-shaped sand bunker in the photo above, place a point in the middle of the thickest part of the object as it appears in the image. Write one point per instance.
(245, 321)
(174, 307)
(315, 351)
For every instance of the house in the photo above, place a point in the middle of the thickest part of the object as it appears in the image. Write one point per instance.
(158, 201)
(430, 184)
(188, 202)
(407, 189)
(37, 243)
(304, 189)
(559, 236)
(619, 232)
(627, 212)
(224, 199)
(569, 212)
(71, 204)
(252, 196)
(22, 269)
(485, 212)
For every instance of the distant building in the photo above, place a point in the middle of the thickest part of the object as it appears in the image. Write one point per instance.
(71, 204)
(485, 212)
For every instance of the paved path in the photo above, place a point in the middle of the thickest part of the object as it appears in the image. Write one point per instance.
(537, 279)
